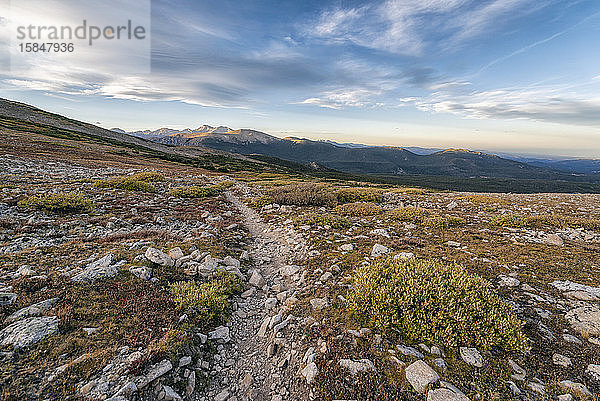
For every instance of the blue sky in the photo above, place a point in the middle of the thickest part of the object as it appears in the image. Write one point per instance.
(501, 75)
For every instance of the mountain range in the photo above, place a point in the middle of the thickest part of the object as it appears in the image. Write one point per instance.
(364, 159)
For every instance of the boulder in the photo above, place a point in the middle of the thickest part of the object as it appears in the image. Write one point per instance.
(444, 394)
(28, 331)
(420, 376)
(257, 280)
(355, 367)
(471, 356)
(379, 250)
(32, 310)
(99, 269)
(585, 320)
(159, 257)
(176, 253)
(309, 372)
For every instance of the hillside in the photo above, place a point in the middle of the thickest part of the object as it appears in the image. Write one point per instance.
(363, 160)
(127, 276)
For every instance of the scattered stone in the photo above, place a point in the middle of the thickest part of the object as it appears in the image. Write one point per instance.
(355, 367)
(593, 371)
(310, 371)
(319, 303)
(507, 281)
(142, 272)
(171, 395)
(565, 397)
(443, 394)
(519, 373)
(561, 360)
(97, 270)
(346, 247)
(223, 396)
(159, 257)
(554, 239)
(28, 331)
(379, 250)
(176, 253)
(32, 310)
(257, 280)
(453, 244)
(420, 376)
(471, 356)
(404, 256)
(220, 334)
(581, 296)
(155, 371)
(409, 351)
(576, 388)
(585, 320)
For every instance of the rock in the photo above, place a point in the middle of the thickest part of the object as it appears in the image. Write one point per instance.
(355, 367)
(572, 339)
(537, 387)
(271, 350)
(453, 244)
(554, 239)
(565, 286)
(507, 281)
(184, 361)
(513, 388)
(289, 270)
(404, 256)
(443, 394)
(585, 320)
(379, 250)
(326, 277)
(191, 384)
(257, 280)
(28, 331)
(142, 272)
(247, 381)
(222, 396)
(171, 395)
(159, 257)
(565, 397)
(319, 303)
(309, 372)
(519, 373)
(7, 298)
(220, 334)
(409, 351)
(593, 371)
(471, 356)
(380, 231)
(561, 360)
(346, 247)
(581, 296)
(420, 376)
(97, 270)
(155, 371)
(176, 253)
(576, 388)
(230, 261)
(451, 205)
(32, 310)
(127, 390)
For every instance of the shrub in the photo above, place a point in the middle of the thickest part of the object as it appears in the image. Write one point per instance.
(323, 219)
(433, 302)
(414, 191)
(348, 195)
(126, 184)
(207, 302)
(358, 209)
(412, 214)
(148, 176)
(303, 194)
(508, 220)
(443, 222)
(194, 191)
(261, 201)
(60, 203)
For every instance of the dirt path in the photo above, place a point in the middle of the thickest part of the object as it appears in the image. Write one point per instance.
(263, 356)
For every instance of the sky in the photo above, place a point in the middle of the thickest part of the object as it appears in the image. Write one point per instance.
(517, 76)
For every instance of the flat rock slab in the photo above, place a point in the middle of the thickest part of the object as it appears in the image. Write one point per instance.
(159, 257)
(99, 269)
(28, 331)
(585, 320)
(420, 376)
(355, 367)
(443, 394)
(566, 286)
(32, 310)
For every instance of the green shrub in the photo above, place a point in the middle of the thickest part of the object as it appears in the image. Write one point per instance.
(261, 201)
(433, 302)
(194, 191)
(126, 184)
(148, 176)
(60, 203)
(323, 219)
(303, 194)
(443, 222)
(358, 209)
(207, 302)
(411, 214)
(348, 195)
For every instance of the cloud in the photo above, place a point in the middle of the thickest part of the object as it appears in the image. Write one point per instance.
(549, 104)
(342, 98)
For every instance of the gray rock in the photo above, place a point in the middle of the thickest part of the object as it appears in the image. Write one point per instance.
(593, 371)
(519, 373)
(565, 397)
(32, 310)
(220, 334)
(585, 320)
(561, 360)
(346, 247)
(309, 372)
(142, 272)
(156, 371)
(28, 331)
(357, 366)
(379, 250)
(409, 351)
(99, 269)
(176, 253)
(404, 256)
(171, 395)
(420, 376)
(191, 384)
(159, 257)
(554, 239)
(471, 356)
(222, 396)
(257, 280)
(444, 394)
(319, 303)
(566, 286)
(507, 281)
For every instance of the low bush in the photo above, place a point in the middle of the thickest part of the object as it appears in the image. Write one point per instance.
(348, 195)
(148, 176)
(411, 214)
(358, 209)
(194, 191)
(261, 201)
(126, 184)
(323, 219)
(60, 203)
(303, 194)
(207, 303)
(433, 302)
